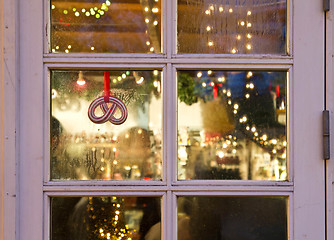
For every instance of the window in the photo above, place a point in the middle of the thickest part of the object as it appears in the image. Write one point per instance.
(211, 143)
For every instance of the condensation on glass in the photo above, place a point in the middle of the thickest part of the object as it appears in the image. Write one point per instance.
(232, 27)
(83, 150)
(232, 125)
(108, 217)
(105, 26)
(232, 218)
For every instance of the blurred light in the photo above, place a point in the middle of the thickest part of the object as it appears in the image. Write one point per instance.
(199, 74)
(140, 81)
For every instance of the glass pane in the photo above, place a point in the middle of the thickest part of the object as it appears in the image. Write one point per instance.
(234, 27)
(231, 218)
(92, 218)
(105, 26)
(84, 150)
(232, 125)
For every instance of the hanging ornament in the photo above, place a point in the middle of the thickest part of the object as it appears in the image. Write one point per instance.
(108, 112)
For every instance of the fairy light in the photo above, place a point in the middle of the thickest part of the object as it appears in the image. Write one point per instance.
(238, 36)
(92, 48)
(210, 43)
(53, 6)
(233, 51)
(155, 23)
(209, 72)
(249, 47)
(230, 10)
(249, 36)
(228, 93)
(242, 23)
(251, 86)
(152, 49)
(249, 74)
(207, 12)
(147, 20)
(249, 25)
(155, 10)
(249, 13)
(67, 51)
(212, 8)
(199, 74)
(221, 79)
(208, 28)
(146, 9)
(204, 84)
(221, 9)
(140, 81)
(247, 95)
(148, 43)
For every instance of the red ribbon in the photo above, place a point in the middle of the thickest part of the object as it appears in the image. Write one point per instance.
(106, 86)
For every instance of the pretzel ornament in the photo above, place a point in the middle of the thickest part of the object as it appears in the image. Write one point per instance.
(108, 112)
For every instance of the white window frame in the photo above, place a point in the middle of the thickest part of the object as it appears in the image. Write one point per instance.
(305, 64)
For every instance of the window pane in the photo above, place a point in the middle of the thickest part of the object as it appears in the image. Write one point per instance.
(244, 27)
(105, 26)
(232, 125)
(232, 218)
(84, 150)
(88, 218)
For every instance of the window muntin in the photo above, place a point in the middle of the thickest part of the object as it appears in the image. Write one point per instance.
(83, 150)
(232, 125)
(105, 26)
(232, 27)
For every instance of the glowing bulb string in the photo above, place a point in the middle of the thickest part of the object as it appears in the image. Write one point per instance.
(108, 112)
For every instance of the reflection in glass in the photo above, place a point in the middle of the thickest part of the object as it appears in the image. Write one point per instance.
(232, 218)
(232, 125)
(83, 150)
(105, 26)
(104, 218)
(232, 27)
